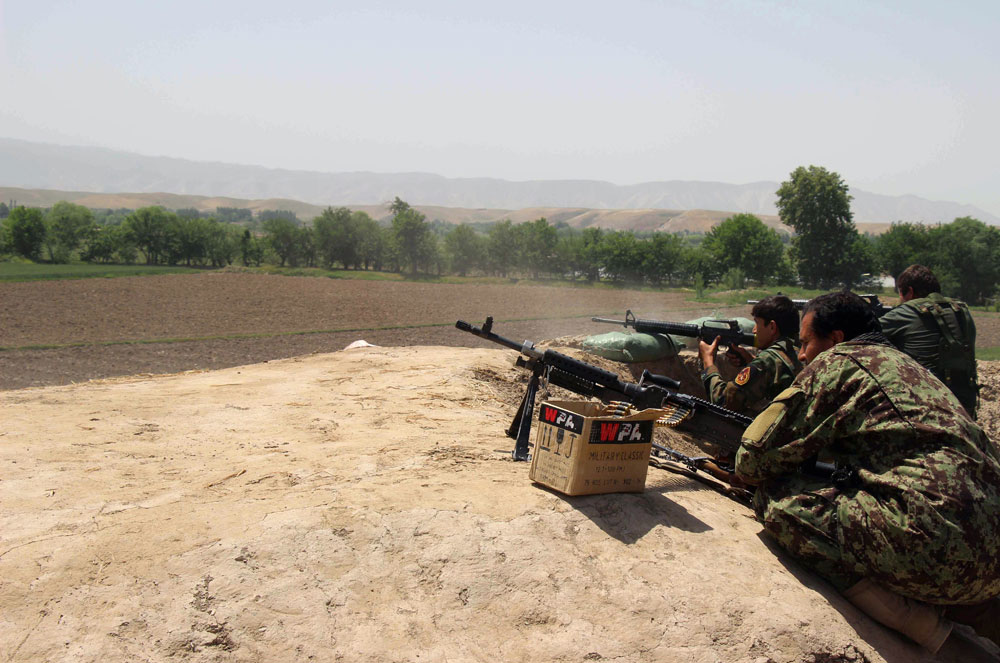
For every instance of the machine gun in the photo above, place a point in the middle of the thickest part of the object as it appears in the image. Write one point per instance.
(728, 331)
(878, 308)
(688, 413)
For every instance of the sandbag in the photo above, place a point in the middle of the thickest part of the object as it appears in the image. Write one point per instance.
(631, 348)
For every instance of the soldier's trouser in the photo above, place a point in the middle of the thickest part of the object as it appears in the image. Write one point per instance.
(804, 524)
(846, 537)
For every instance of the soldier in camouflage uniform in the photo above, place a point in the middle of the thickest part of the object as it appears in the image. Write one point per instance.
(910, 520)
(936, 331)
(776, 324)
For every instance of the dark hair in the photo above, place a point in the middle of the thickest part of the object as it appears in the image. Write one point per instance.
(780, 309)
(844, 311)
(920, 278)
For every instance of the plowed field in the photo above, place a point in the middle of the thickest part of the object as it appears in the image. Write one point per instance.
(96, 328)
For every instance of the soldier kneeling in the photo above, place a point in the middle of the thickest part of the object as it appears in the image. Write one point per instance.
(908, 527)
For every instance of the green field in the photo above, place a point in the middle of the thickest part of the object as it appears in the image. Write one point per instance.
(29, 271)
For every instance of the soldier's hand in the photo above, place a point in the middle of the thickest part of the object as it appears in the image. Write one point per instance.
(738, 355)
(706, 352)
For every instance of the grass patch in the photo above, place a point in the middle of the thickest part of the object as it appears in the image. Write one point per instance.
(37, 271)
(988, 354)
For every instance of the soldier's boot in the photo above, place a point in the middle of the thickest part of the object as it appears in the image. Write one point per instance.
(918, 621)
(984, 618)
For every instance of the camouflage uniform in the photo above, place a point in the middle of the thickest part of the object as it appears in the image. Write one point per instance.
(939, 333)
(771, 371)
(915, 503)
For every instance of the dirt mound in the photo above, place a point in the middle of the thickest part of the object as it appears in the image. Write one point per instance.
(363, 506)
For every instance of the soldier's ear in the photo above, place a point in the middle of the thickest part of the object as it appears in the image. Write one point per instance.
(837, 336)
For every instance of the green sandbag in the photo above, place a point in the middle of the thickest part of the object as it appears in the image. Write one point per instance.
(630, 348)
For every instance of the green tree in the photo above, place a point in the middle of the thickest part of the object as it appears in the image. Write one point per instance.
(109, 243)
(26, 231)
(743, 242)
(305, 247)
(538, 246)
(815, 202)
(697, 264)
(623, 257)
(282, 236)
(372, 241)
(464, 247)
(252, 249)
(410, 231)
(663, 254)
(336, 236)
(222, 243)
(966, 258)
(904, 244)
(591, 253)
(503, 248)
(66, 226)
(148, 225)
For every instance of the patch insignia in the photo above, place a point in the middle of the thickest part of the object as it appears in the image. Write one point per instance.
(743, 376)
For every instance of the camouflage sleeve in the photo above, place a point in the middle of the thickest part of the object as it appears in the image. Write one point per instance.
(715, 386)
(751, 384)
(792, 430)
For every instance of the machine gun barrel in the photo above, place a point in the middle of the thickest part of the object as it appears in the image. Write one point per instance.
(712, 422)
(727, 330)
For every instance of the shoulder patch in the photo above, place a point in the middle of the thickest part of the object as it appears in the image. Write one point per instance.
(743, 376)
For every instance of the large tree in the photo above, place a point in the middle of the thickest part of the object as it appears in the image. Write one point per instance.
(902, 245)
(465, 248)
(503, 247)
(816, 203)
(148, 226)
(67, 224)
(743, 242)
(410, 231)
(538, 246)
(663, 256)
(283, 237)
(966, 258)
(26, 231)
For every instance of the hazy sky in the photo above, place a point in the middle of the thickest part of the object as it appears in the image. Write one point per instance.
(897, 97)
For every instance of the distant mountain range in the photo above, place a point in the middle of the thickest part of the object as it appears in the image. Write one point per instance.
(29, 165)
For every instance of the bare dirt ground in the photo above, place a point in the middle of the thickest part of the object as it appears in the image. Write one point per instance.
(362, 505)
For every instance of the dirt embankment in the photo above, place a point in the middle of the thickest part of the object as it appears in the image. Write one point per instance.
(362, 506)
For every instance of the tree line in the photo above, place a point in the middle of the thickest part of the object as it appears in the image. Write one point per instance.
(824, 251)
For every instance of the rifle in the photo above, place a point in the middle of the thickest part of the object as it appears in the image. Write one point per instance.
(878, 308)
(688, 413)
(727, 330)
(723, 477)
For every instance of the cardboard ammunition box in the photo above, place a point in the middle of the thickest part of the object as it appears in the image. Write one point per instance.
(578, 452)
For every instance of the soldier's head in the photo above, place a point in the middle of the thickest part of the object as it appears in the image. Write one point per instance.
(774, 317)
(831, 319)
(916, 281)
